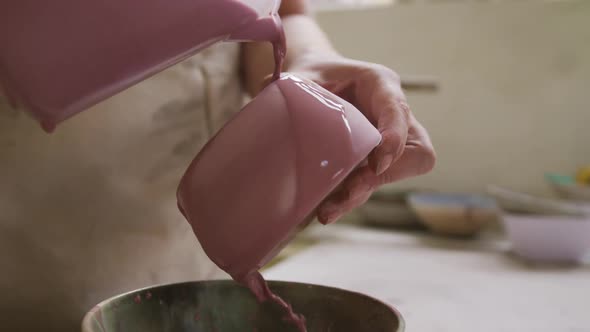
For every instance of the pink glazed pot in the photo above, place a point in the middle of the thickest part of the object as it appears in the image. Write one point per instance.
(261, 178)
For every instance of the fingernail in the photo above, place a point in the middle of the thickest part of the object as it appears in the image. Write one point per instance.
(330, 219)
(384, 164)
(328, 213)
(329, 209)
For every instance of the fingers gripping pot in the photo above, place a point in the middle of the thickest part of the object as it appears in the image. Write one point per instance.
(262, 176)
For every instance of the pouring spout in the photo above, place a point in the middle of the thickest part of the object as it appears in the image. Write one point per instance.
(267, 28)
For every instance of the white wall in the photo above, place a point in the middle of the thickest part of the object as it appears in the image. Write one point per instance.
(515, 84)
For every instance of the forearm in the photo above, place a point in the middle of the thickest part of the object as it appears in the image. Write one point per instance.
(303, 37)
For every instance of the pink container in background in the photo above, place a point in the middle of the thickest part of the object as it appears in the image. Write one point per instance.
(549, 238)
(260, 179)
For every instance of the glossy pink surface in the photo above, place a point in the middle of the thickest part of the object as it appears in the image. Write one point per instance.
(58, 58)
(267, 170)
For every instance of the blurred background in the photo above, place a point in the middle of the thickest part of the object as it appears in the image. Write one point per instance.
(514, 79)
(505, 98)
(510, 106)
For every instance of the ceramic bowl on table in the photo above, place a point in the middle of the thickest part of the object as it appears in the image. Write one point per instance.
(388, 214)
(389, 209)
(224, 306)
(454, 214)
(548, 238)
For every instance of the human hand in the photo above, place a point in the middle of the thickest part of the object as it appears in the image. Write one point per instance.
(405, 150)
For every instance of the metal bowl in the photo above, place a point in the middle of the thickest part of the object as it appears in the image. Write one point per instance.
(225, 306)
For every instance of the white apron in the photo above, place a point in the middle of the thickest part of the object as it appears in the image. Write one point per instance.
(90, 211)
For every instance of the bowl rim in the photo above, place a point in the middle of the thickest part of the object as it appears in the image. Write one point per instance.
(87, 320)
(452, 199)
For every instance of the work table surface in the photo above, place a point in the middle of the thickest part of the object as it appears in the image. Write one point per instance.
(445, 284)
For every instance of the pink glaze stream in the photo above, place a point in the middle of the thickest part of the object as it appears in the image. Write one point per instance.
(71, 54)
(257, 285)
(260, 179)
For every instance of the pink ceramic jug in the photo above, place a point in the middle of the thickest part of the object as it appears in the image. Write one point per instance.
(60, 57)
(262, 176)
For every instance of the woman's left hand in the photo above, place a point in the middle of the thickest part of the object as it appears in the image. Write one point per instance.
(405, 150)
